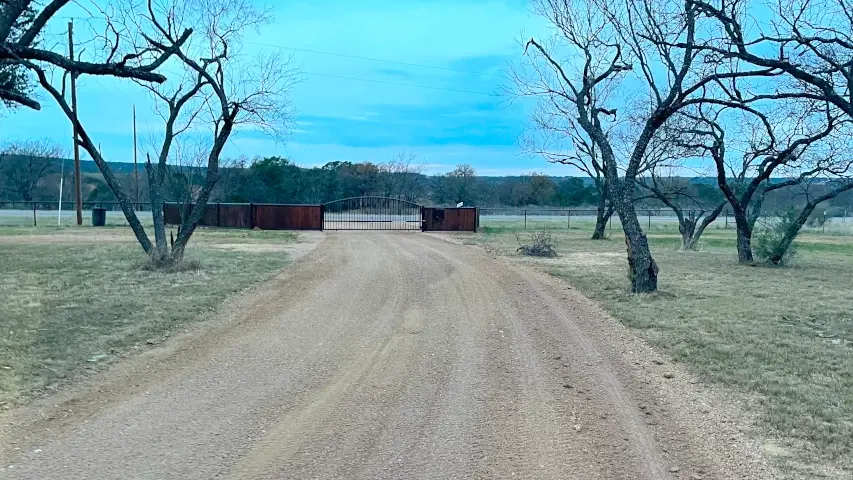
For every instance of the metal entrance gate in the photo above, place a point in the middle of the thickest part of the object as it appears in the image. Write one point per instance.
(371, 213)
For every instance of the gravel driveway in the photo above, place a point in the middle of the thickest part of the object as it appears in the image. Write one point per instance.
(390, 355)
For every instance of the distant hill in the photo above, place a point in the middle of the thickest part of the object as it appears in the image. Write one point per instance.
(90, 167)
(86, 166)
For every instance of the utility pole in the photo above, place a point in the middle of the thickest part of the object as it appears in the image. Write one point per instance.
(135, 171)
(77, 191)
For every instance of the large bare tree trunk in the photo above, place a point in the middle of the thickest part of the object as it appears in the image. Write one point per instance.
(605, 211)
(642, 267)
(160, 253)
(692, 242)
(687, 228)
(744, 236)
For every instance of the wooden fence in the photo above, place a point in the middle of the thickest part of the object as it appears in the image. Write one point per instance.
(466, 219)
(253, 215)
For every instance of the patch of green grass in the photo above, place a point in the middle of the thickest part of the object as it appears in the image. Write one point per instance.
(64, 304)
(783, 337)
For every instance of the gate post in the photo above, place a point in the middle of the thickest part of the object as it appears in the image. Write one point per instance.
(423, 220)
(251, 216)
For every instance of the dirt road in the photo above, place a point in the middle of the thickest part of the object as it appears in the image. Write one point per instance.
(390, 356)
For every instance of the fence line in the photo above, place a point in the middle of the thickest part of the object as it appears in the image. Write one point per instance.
(552, 214)
(23, 209)
(68, 205)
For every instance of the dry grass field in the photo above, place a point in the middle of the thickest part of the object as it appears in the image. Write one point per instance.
(74, 299)
(780, 337)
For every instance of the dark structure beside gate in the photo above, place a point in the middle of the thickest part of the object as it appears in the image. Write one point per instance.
(359, 213)
(464, 219)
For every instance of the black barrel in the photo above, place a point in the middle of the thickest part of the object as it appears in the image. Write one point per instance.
(99, 217)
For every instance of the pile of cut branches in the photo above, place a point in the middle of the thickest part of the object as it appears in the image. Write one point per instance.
(541, 245)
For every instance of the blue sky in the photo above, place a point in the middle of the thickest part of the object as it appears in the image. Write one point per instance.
(446, 115)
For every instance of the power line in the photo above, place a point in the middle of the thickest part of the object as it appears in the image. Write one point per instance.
(343, 55)
(395, 83)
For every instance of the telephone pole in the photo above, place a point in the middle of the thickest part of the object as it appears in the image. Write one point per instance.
(135, 171)
(77, 191)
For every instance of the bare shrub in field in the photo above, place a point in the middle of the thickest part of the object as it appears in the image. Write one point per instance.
(541, 245)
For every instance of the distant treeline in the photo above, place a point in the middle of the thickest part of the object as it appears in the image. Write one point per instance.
(277, 180)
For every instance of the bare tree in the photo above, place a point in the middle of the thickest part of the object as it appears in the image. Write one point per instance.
(694, 214)
(21, 23)
(185, 172)
(216, 92)
(400, 176)
(23, 165)
(823, 171)
(810, 41)
(600, 47)
(770, 141)
(557, 138)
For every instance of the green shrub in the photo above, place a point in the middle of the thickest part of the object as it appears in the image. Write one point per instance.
(768, 242)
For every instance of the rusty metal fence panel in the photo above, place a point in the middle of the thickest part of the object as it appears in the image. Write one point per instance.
(288, 217)
(249, 215)
(234, 215)
(465, 219)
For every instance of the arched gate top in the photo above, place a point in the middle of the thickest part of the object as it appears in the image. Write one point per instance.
(372, 213)
(373, 197)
